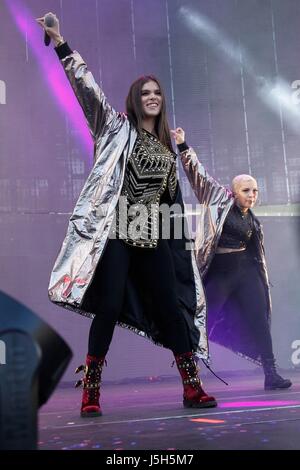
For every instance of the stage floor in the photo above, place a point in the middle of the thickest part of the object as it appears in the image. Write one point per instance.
(149, 415)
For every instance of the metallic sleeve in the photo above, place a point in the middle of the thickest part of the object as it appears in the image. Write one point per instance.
(206, 189)
(101, 117)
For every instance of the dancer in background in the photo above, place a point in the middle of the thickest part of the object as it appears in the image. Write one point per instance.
(114, 265)
(231, 259)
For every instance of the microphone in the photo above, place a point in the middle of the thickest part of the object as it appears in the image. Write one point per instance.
(49, 22)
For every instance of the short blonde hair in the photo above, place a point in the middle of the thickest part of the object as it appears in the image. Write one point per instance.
(237, 180)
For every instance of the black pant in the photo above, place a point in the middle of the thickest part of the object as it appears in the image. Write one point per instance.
(155, 267)
(235, 277)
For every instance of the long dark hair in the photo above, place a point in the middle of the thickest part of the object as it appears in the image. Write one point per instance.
(135, 112)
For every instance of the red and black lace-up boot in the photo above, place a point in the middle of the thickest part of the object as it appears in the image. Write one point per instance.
(90, 406)
(193, 394)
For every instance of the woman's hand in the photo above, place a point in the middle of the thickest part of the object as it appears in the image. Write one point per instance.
(52, 31)
(179, 135)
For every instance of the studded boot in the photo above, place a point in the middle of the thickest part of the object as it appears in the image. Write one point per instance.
(193, 394)
(273, 380)
(92, 369)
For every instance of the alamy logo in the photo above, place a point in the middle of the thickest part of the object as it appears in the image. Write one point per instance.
(296, 94)
(295, 358)
(2, 92)
(2, 353)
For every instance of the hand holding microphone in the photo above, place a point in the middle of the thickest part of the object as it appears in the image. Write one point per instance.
(50, 24)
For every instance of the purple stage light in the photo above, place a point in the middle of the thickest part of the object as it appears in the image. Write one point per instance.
(254, 404)
(52, 70)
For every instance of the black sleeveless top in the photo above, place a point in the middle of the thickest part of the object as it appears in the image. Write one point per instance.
(237, 230)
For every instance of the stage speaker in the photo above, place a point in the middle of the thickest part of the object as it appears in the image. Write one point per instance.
(33, 358)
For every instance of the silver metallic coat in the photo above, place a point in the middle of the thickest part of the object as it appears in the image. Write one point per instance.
(90, 223)
(216, 202)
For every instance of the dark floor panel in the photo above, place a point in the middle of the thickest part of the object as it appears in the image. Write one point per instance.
(150, 416)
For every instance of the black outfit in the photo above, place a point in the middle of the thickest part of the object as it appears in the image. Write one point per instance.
(233, 283)
(234, 288)
(156, 272)
(237, 229)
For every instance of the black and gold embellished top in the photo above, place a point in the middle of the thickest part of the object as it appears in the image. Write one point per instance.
(150, 177)
(237, 229)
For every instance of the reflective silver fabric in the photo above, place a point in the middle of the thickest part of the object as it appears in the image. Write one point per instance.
(216, 202)
(91, 220)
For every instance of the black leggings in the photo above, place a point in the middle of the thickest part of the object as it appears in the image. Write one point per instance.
(235, 276)
(155, 266)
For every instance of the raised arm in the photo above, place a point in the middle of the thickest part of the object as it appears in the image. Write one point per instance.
(101, 117)
(206, 188)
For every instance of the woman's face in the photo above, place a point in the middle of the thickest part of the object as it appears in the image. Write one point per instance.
(151, 99)
(245, 193)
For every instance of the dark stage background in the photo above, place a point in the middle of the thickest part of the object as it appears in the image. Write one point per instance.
(231, 72)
